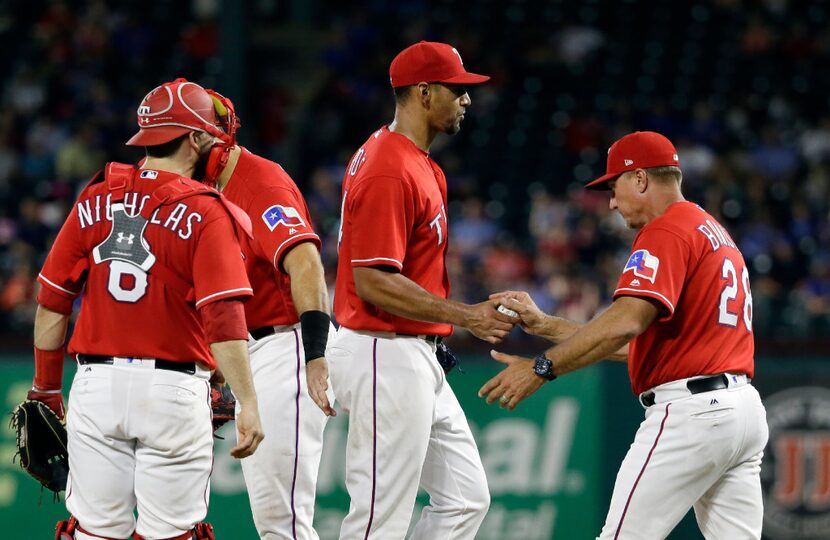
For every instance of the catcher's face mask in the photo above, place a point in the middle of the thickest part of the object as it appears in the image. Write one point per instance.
(226, 126)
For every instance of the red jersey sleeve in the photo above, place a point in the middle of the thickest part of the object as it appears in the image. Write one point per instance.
(218, 268)
(656, 269)
(281, 220)
(382, 213)
(65, 270)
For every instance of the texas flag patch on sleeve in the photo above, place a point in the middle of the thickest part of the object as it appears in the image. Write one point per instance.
(282, 215)
(643, 264)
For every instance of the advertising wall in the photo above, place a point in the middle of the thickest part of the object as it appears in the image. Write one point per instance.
(550, 464)
(542, 464)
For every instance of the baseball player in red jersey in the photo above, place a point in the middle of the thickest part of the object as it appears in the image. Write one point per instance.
(288, 321)
(405, 424)
(682, 319)
(161, 308)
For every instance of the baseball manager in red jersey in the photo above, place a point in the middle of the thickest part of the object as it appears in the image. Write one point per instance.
(157, 257)
(406, 426)
(682, 319)
(289, 324)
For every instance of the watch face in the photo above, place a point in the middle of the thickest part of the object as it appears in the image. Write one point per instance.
(543, 367)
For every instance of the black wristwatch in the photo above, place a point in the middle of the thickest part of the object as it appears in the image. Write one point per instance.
(543, 367)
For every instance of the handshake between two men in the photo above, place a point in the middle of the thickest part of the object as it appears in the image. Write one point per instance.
(579, 346)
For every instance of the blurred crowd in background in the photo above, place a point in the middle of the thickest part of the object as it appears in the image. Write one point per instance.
(740, 87)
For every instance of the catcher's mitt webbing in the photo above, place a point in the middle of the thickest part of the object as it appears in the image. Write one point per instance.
(223, 404)
(41, 444)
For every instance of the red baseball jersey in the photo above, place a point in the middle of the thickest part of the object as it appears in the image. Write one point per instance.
(686, 261)
(394, 216)
(280, 221)
(126, 311)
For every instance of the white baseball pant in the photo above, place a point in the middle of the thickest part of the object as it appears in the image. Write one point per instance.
(406, 428)
(693, 450)
(138, 437)
(281, 476)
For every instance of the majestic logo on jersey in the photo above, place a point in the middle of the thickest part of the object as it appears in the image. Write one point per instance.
(644, 264)
(795, 474)
(282, 215)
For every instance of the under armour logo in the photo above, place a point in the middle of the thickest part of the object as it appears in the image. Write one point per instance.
(145, 120)
(713, 402)
(128, 239)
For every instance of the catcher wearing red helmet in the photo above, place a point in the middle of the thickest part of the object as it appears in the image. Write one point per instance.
(160, 312)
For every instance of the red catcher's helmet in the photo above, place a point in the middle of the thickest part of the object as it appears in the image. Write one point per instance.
(174, 108)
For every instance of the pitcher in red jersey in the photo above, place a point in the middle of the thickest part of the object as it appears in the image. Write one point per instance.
(682, 319)
(406, 426)
(157, 258)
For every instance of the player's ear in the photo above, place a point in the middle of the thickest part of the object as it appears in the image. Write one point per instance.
(423, 92)
(641, 180)
(193, 140)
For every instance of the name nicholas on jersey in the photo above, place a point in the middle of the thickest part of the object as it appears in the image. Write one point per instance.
(93, 210)
(716, 235)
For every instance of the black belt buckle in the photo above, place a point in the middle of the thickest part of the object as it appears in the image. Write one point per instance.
(259, 333)
(647, 399)
(707, 384)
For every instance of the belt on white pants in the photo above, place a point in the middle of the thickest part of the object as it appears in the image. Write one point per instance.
(682, 388)
(190, 368)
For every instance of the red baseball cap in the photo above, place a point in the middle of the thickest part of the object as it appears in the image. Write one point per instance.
(428, 61)
(171, 110)
(638, 150)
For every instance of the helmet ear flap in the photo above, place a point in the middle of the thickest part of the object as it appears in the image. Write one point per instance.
(216, 163)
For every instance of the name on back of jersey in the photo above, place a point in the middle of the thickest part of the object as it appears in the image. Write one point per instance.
(716, 234)
(286, 216)
(181, 219)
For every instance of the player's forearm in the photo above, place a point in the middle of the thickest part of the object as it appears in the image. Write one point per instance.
(50, 329)
(308, 283)
(557, 330)
(582, 350)
(232, 358)
(607, 336)
(399, 295)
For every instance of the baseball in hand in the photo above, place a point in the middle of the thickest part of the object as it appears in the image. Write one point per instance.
(507, 311)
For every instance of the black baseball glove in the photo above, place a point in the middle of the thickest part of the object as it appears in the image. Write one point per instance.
(446, 358)
(41, 444)
(223, 405)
